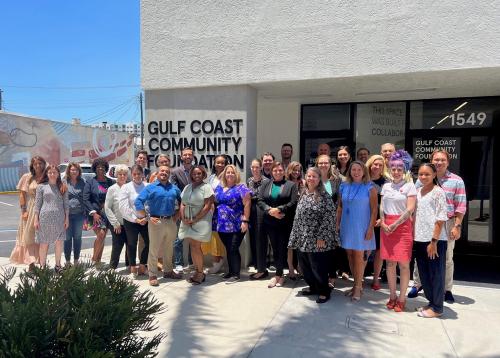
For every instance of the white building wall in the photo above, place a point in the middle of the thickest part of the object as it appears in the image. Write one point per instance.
(206, 43)
(278, 123)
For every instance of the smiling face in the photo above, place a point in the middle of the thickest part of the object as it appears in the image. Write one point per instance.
(286, 152)
(230, 176)
(163, 174)
(278, 173)
(323, 149)
(39, 167)
(219, 165)
(363, 155)
(255, 168)
(324, 164)
(357, 173)
(141, 160)
(187, 156)
(387, 150)
(100, 171)
(197, 176)
(426, 175)
(73, 172)
(162, 161)
(343, 156)
(267, 162)
(376, 168)
(312, 180)
(121, 177)
(440, 161)
(397, 170)
(53, 174)
(137, 176)
(296, 172)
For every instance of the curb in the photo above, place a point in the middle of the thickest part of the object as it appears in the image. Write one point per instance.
(9, 192)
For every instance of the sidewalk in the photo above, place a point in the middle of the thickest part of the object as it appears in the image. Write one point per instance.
(246, 319)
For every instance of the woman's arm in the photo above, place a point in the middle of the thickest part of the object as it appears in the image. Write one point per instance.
(373, 213)
(261, 197)
(207, 206)
(247, 205)
(293, 190)
(339, 214)
(108, 208)
(38, 205)
(410, 207)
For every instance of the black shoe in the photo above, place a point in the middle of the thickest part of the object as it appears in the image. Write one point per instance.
(323, 300)
(307, 292)
(226, 276)
(448, 297)
(59, 269)
(414, 291)
(264, 275)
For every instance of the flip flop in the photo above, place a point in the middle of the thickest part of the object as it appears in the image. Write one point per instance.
(423, 314)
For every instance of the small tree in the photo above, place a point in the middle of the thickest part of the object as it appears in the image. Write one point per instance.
(79, 313)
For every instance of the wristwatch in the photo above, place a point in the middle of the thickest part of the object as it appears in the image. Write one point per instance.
(434, 240)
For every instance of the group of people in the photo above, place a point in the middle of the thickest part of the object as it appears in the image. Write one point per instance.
(320, 223)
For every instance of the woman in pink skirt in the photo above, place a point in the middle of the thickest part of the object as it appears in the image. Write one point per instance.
(396, 208)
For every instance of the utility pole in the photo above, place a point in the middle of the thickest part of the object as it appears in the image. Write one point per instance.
(1, 106)
(142, 121)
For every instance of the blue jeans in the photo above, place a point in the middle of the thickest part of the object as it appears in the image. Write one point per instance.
(73, 237)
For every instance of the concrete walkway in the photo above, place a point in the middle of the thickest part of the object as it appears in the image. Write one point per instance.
(246, 319)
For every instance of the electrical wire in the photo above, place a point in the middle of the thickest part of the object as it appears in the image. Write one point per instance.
(108, 112)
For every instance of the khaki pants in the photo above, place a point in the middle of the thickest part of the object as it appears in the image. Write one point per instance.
(161, 244)
(450, 266)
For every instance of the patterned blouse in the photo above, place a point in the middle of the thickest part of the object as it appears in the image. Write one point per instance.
(230, 207)
(314, 220)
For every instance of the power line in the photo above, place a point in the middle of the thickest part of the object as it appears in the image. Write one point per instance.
(108, 112)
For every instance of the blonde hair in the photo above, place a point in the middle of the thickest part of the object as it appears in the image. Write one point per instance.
(372, 160)
(222, 175)
(121, 168)
(366, 174)
(290, 169)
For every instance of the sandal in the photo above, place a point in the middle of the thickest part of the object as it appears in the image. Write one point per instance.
(198, 282)
(273, 282)
(281, 281)
(357, 298)
(391, 303)
(424, 314)
(400, 306)
(348, 293)
(331, 283)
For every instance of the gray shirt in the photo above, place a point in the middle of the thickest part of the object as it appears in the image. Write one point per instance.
(75, 197)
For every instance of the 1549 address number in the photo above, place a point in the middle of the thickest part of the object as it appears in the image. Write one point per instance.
(468, 119)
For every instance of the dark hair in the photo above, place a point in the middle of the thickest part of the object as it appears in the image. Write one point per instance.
(366, 175)
(32, 162)
(202, 168)
(362, 148)
(100, 162)
(45, 177)
(137, 167)
(267, 153)
(186, 148)
(219, 156)
(348, 164)
(77, 166)
(434, 170)
(257, 160)
(142, 151)
(287, 145)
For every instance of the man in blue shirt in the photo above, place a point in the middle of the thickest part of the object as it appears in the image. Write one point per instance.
(162, 198)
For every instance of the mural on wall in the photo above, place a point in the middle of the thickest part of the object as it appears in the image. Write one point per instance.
(21, 138)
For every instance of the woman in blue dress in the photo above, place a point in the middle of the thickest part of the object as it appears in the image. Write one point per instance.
(356, 217)
(233, 214)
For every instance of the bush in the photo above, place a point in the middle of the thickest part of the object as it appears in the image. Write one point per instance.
(79, 313)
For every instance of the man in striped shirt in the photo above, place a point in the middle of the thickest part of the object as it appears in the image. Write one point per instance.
(456, 201)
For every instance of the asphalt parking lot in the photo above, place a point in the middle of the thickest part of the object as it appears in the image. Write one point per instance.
(9, 220)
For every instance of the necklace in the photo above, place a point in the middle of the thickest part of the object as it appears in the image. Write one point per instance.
(350, 198)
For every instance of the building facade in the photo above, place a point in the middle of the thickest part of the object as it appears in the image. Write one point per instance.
(241, 78)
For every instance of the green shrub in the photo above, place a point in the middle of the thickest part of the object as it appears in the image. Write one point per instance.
(78, 313)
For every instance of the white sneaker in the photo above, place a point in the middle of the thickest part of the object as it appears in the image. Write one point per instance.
(216, 267)
(233, 279)
(179, 269)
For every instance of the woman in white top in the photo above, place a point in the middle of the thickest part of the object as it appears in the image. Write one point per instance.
(396, 242)
(430, 240)
(133, 223)
(119, 239)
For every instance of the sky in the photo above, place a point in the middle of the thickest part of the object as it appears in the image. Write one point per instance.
(71, 59)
